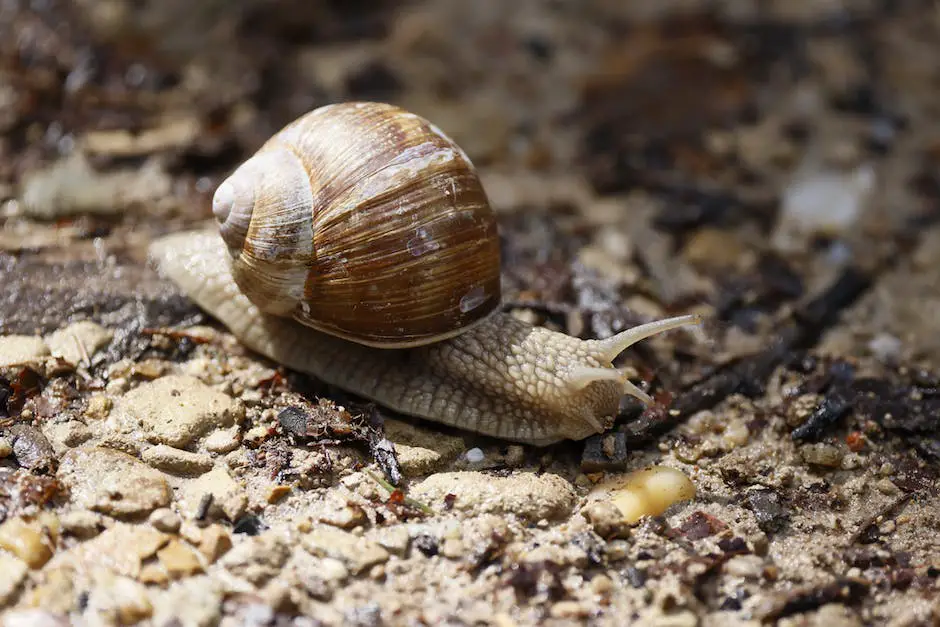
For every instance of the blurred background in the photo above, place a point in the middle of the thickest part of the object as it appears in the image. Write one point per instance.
(643, 156)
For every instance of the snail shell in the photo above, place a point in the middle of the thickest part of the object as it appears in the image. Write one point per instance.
(366, 222)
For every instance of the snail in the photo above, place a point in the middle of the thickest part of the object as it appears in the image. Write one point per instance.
(357, 245)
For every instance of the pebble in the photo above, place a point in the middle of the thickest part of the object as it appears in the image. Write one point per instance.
(31, 541)
(176, 410)
(475, 456)
(179, 560)
(34, 618)
(14, 571)
(735, 434)
(747, 566)
(164, 519)
(347, 515)
(31, 447)
(98, 408)
(78, 342)
(258, 558)
(822, 203)
(453, 548)
(228, 497)
(6, 448)
(66, 435)
(222, 440)
(17, 350)
(886, 486)
(568, 609)
(198, 603)
(527, 495)
(277, 492)
(121, 599)
(356, 553)
(215, 542)
(822, 454)
(394, 539)
(72, 186)
(114, 483)
(421, 451)
(606, 519)
(715, 250)
(82, 523)
(885, 347)
(123, 547)
(602, 584)
(176, 461)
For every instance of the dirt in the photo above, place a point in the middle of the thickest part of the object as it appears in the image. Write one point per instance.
(774, 165)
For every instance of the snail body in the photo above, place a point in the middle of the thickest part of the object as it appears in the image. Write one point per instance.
(412, 321)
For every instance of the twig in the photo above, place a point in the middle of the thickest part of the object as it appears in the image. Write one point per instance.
(407, 499)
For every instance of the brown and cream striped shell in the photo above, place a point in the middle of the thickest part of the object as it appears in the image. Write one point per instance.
(364, 221)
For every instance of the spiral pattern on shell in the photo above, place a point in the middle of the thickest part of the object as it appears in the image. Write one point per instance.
(364, 221)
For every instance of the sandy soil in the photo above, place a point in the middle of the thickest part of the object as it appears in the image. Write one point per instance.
(774, 165)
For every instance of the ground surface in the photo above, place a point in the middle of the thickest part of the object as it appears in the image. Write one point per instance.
(777, 168)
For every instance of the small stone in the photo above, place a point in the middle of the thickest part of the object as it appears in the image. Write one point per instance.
(475, 456)
(527, 495)
(357, 553)
(78, 342)
(821, 454)
(568, 609)
(515, 456)
(6, 448)
(191, 532)
(98, 408)
(222, 440)
(122, 599)
(215, 542)
(602, 584)
(176, 410)
(82, 524)
(228, 499)
(114, 483)
(257, 559)
(176, 461)
(885, 347)
(153, 574)
(394, 539)
(715, 250)
(198, 603)
(421, 451)
(21, 350)
(277, 492)
(736, 434)
(348, 515)
(31, 447)
(123, 547)
(453, 548)
(606, 519)
(165, 520)
(256, 436)
(747, 566)
(120, 442)
(14, 571)
(179, 560)
(31, 541)
(886, 486)
(66, 435)
(35, 618)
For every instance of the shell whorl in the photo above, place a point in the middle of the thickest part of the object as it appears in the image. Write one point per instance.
(364, 221)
